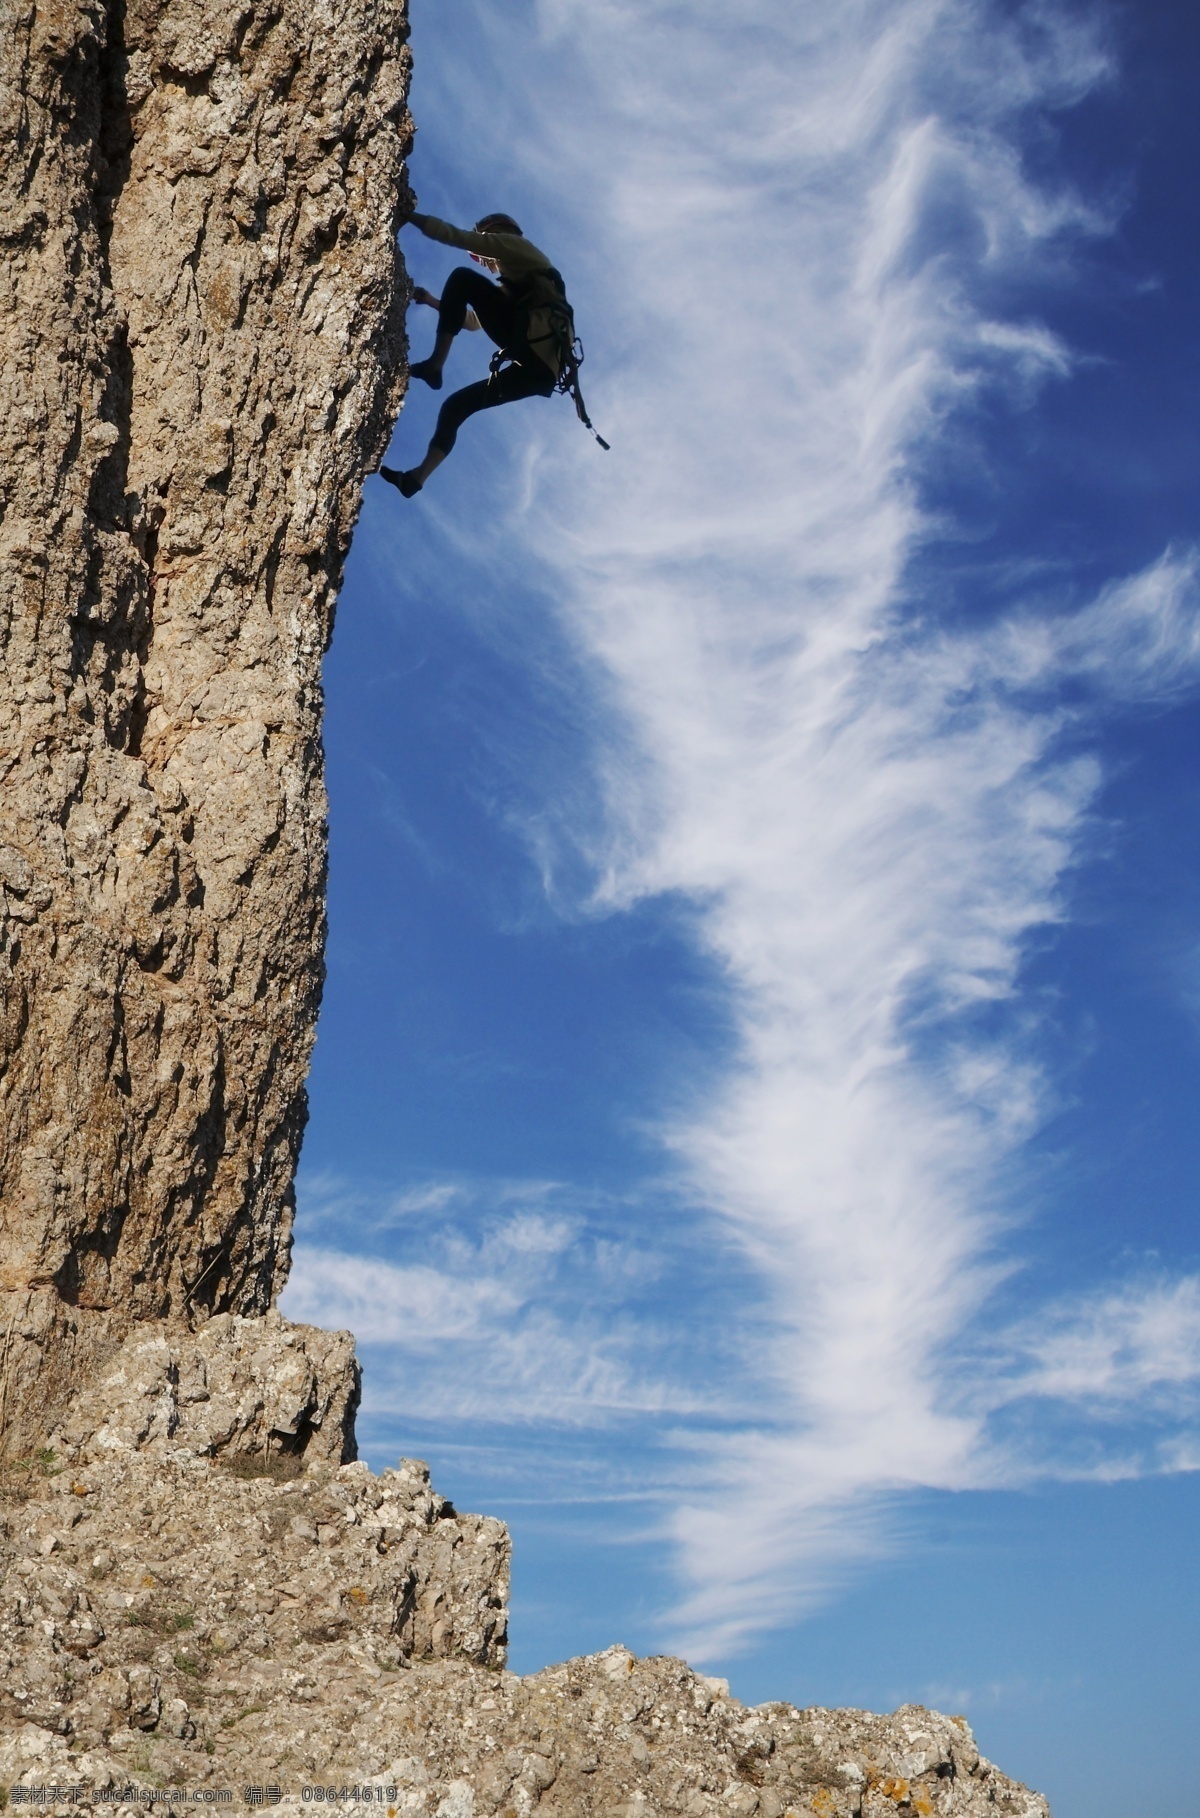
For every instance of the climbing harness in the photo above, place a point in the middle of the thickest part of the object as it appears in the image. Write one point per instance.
(559, 333)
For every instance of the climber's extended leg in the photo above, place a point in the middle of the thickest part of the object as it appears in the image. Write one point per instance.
(531, 379)
(466, 289)
(409, 481)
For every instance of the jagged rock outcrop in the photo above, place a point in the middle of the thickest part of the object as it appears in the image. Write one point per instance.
(196, 1592)
(201, 348)
(236, 1389)
(201, 351)
(167, 1563)
(166, 1624)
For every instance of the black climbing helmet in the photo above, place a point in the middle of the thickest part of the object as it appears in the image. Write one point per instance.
(496, 224)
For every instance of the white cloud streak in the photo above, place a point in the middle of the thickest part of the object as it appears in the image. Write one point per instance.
(509, 1305)
(801, 216)
(1137, 1344)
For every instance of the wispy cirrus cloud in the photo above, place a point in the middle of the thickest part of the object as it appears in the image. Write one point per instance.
(512, 1302)
(806, 238)
(874, 813)
(1136, 1345)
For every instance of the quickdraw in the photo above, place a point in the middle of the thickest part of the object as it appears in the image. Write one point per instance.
(568, 384)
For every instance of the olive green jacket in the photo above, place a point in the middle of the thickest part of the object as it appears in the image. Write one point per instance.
(520, 262)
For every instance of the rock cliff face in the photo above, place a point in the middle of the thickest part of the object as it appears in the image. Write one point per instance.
(201, 349)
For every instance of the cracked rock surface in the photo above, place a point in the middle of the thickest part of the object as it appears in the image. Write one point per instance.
(263, 1390)
(201, 353)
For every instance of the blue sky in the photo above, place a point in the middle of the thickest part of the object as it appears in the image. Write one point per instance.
(753, 1128)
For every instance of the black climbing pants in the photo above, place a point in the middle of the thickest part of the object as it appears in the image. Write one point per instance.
(466, 289)
(501, 321)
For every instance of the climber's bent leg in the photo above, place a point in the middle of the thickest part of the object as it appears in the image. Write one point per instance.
(458, 407)
(466, 289)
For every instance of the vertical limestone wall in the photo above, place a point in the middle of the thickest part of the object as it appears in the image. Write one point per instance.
(201, 351)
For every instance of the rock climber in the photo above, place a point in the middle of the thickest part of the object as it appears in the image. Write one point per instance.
(526, 314)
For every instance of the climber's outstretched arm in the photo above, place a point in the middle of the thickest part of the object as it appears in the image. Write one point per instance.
(511, 253)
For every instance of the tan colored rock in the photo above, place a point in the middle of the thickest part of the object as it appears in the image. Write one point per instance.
(201, 350)
(165, 1623)
(131, 1577)
(261, 1389)
(193, 1593)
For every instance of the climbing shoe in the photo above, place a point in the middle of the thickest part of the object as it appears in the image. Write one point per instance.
(407, 483)
(425, 369)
